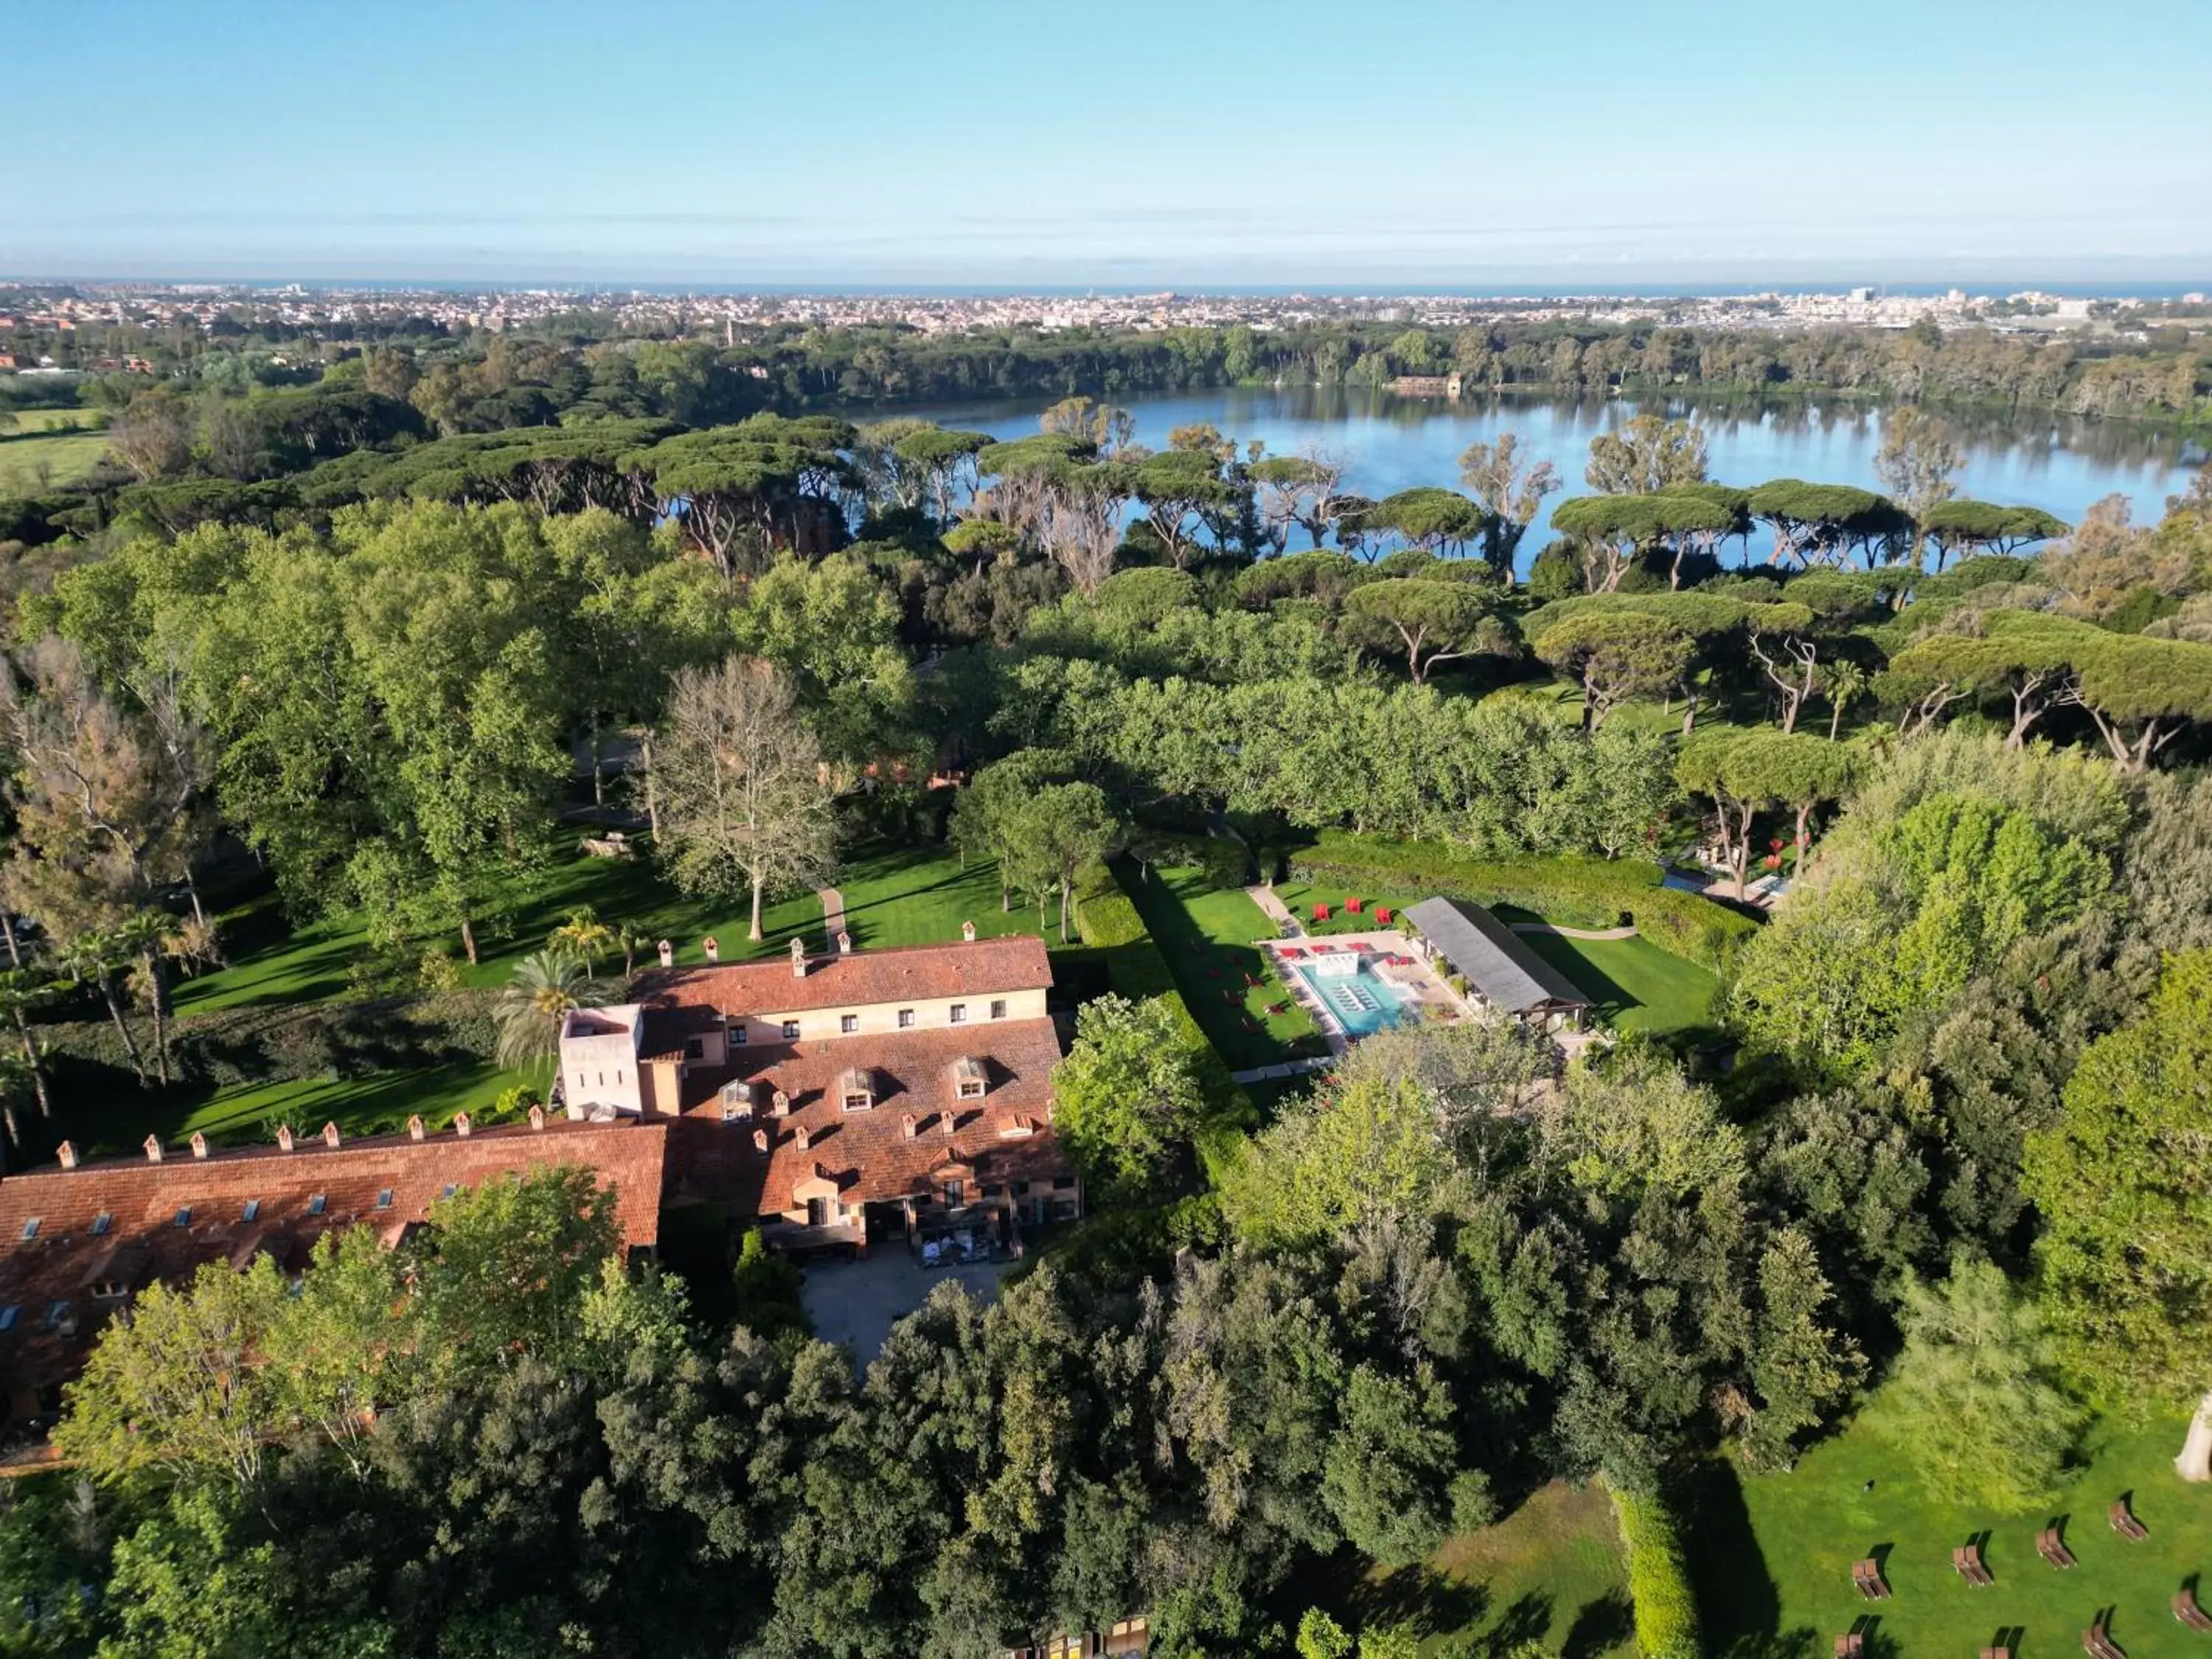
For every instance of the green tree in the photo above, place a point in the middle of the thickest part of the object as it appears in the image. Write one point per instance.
(1510, 490)
(1388, 1467)
(1646, 454)
(2125, 1272)
(1434, 621)
(1616, 655)
(1126, 1098)
(1976, 1394)
(548, 986)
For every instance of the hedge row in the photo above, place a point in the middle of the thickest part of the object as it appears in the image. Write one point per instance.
(1658, 1580)
(294, 1043)
(1578, 892)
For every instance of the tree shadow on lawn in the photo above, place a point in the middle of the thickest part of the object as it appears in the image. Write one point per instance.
(1738, 1600)
(1600, 1626)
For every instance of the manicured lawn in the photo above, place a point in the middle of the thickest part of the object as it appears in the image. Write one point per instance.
(1550, 1572)
(1299, 898)
(69, 455)
(1773, 1553)
(1635, 985)
(269, 963)
(1208, 938)
(921, 895)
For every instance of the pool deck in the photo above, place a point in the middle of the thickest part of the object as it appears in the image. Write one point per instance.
(1430, 997)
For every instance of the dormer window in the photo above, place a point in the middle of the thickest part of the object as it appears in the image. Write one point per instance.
(737, 1101)
(857, 1091)
(694, 1049)
(970, 1079)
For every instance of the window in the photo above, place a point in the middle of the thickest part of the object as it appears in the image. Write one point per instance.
(252, 1210)
(1061, 1183)
(384, 1198)
(990, 1191)
(184, 1215)
(954, 1191)
(694, 1049)
(971, 1089)
(108, 1289)
(315, 1204)
(791, 1031)
(998, 1008)
(859, 1103)
(7, 1317)
(737, 1035)
(959, 1013)
(30, 1228)
(101, 1223)
(849, 1024)
(817, 1211)
(906, 1018)
(56, 1312)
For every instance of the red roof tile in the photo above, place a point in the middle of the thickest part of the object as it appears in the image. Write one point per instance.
(903, 973)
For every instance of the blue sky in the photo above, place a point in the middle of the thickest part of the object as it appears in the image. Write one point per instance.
(1146, 144)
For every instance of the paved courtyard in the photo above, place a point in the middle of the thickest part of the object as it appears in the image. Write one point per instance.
(857, 1303)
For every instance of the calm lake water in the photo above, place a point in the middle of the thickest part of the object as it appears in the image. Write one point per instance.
(1387, 443)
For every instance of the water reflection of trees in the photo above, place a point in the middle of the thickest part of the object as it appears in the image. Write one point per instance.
(2030, 437)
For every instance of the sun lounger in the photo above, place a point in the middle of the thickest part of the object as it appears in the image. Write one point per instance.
(2098, 1646)
(1967, 1562)
(1867, 1579)
(2185, 1608)
(1851, 1645)
(2124, 1523)
(2052, 1548)
(1996, 1653)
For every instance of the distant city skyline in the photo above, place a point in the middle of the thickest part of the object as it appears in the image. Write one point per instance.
(1599, 148)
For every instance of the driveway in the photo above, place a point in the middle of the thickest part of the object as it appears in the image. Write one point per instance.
(857, 1303)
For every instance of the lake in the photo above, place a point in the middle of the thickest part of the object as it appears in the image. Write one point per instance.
(1387, 443)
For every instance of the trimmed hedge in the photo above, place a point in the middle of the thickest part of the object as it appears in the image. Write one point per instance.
(1579, 892)
(1658, 1580)
(292, 1043)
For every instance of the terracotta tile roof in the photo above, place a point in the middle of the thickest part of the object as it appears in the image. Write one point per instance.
(163, 1220)
(1006, 1136)
(901, 973)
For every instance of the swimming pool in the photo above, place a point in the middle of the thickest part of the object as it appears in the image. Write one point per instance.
(1363, 1002)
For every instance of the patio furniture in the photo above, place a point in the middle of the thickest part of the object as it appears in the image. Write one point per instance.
(1320, 913)
(1996, 1653)
(1851, 1645)
(1867, 1579)
(2124, 1523)
(1353, 906)
(1382, 914)
(2098, 1646)
(1291, 950)
(1967, 1562)
(2052, 1548)
(2185, 1608)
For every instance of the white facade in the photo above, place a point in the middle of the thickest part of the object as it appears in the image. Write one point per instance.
(599, 1058)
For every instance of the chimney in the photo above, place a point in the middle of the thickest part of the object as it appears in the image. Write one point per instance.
(798, 958)
(844, 943)
(536, 1117)
(779, 1103)
(153, 1143)
(967, 932)
(803, 1139)
(330, 1136)
(283, 1137)
(667, 954)
(906, 1124)
(415, 1129)
(67, 1153)
(713, 947)
(947, 1120)
(760, 1140)
(461, 1125)
(199, 1145)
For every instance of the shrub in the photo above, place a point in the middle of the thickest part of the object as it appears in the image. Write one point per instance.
(1577, 891)
(1658, 1581)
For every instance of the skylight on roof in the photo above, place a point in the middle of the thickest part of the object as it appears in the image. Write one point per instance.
(384, 1198)
(101, 1223)
(7, 1317)
(315, 1204)
(30, 1228)
(184, 1215)
(253, 1209)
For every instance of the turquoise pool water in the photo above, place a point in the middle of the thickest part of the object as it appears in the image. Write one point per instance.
(1362, 1002)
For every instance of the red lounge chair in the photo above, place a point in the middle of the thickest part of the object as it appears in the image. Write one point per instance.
(1353, 906)
(1382, 914)
(1291, 950)
(1320, 913)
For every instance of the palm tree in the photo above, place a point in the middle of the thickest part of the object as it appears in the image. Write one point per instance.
(22, 991)
(14, 1074)
(583, 934)
(548, 987)
(1842, 681)
(629, 941)
(91, 958)
(146, 936)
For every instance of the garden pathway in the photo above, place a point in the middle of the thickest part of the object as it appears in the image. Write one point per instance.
(833, 914)
(1572, 932)
(1270, 906)
(1286, 1068)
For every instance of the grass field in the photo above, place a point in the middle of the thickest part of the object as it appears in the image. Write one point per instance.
(1208, 938)
(1634, 985)
(1550, 1572)
(379, 1102)
(1771, 1554)
(66, 456)
(921, 895)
